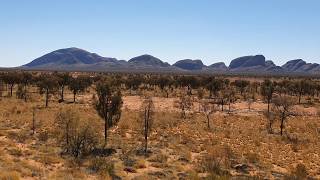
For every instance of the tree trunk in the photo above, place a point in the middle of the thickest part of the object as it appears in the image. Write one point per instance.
(208, 120)
(74, 97)
(282, 125)
(222, 104)
(25, 93)
(300, 94)
(146, 130)
(268, 101)
(11, 89)
(67, 134)
(62, 93)
(105, 130)
(33, 122)
(47, 97)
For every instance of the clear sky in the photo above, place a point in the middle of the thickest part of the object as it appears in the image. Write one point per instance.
(171, 30)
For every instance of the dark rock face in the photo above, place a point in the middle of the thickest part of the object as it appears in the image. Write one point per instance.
(75, 59)
(69, 56)
(219, 65)
(248, 61)
(299, 65)
(294, 65)
(148, 60)
(189, 64)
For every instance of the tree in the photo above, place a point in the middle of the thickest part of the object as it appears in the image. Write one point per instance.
(146, 120)
(188, 81)
(63, 80)
(133, 82)
(108, 105)
(283, 109)
(78, 137)
(231, 96)
(241, 85)
(47, 85)
(271, 118)
(1, 86)
(267, 90)
(184, 104)
(208, 109)
(26, 79)
(215, 85)
(11, 79)
(78, 85)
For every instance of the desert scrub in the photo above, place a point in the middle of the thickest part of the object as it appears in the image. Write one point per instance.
(11, 175)
(140, 164)
(101, 165)
(252, 157)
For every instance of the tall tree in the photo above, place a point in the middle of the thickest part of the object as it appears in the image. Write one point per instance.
(63, 81)
(79, 84)
(283, 109)
(108, 105)
(47, 85)
(11, 79)
(26, 79)
(267, 90)
(208, 108)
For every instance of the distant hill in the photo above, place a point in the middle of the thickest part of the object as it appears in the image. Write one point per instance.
(189, 64)
(148, 60)
(75, 59)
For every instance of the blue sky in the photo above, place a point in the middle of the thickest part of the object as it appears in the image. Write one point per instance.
(169, 29)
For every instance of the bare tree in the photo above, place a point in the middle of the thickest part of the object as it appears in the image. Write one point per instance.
(146, 120)
(283, 109)
(208, 108)
(271, 119)
(185, 104)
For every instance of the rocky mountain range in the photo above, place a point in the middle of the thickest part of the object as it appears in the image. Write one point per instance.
(75, 59)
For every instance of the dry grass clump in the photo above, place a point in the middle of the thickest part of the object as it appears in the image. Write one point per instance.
(300, 172)
(11, 175)
(252, 157)
(217, 162)
(102, 166)
(140, 164)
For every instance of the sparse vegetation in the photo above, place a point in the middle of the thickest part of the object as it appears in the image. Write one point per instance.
(69, 139)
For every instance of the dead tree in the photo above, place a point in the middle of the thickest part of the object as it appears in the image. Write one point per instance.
(185, 104)
(283, 108)
(147, 118)
(208, 108)
(271, 119)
